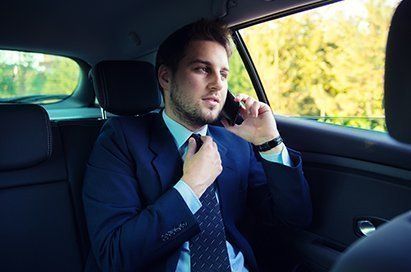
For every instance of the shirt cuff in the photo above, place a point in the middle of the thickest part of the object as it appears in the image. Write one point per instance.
(283, 157)
(190, 198)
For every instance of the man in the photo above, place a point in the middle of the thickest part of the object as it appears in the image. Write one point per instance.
(155, 203)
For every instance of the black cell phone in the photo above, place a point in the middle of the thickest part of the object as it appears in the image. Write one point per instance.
(231, 110)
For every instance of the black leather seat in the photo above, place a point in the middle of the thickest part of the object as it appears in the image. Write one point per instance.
(78, 137)
(38, 230)
(122, 88)
(397, 86)
(42, 164)
(126, 87)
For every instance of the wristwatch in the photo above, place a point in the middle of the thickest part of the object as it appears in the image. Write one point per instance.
(270, 144)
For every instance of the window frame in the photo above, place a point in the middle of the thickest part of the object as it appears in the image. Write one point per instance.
(253, 72)
(245, 54)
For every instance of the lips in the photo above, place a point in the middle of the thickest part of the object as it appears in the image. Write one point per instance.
(212, 99)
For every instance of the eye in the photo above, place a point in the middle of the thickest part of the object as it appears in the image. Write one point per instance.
(202, 69)
(224, 75)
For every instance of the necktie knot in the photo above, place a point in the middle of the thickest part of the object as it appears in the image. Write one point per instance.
(199, 142)
(197, 138)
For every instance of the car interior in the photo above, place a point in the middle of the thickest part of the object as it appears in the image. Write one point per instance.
(387, 249)
(358, 179)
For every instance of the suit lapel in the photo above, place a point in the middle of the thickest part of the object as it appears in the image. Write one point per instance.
(167, 161)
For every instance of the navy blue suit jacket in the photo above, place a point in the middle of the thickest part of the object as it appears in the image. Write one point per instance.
(137, 221)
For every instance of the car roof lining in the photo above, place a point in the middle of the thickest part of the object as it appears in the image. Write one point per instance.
(98, 30)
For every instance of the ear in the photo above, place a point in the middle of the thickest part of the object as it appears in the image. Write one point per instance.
(164, 77)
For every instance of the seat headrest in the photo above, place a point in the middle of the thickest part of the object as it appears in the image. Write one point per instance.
(126, 87)
(397, 93)
(25, 138)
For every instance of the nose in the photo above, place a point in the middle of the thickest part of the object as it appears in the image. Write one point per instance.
(217, 82)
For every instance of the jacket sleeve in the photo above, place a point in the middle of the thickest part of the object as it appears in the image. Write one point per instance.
(125, 235)
(279, 192)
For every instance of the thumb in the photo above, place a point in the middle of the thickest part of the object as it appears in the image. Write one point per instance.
(191, 148)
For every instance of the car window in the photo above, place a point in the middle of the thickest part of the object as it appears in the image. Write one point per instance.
(238, 79)
(36, 78)
(325, 64)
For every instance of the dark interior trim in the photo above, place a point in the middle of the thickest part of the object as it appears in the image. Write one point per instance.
(249, 66)
(342, 141)
(283, 14)
(324, 161)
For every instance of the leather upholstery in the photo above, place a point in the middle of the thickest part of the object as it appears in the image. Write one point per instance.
(397, 97)
(126, 87)
(25, 138)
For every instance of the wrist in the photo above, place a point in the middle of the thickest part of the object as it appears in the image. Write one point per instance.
(260, 141)
(275, 150)
(271, 145)
(196, 188)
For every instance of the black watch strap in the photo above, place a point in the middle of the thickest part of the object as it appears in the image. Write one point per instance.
(270, 144)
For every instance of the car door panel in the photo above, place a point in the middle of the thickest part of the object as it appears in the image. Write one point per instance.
(352, 173)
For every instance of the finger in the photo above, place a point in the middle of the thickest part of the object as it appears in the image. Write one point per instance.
(248, 102)
(243, 112)
(264, 108)
(219, 163)
(191, 148)
(243, 107)
(206, 139)
(241, 97)
(207, 143)
(254, 109)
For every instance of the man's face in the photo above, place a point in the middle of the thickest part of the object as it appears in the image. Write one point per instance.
(199, 86)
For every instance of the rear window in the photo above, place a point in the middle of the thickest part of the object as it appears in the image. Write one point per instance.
(36, 78)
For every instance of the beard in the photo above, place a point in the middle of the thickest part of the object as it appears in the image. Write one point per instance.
(186, 111)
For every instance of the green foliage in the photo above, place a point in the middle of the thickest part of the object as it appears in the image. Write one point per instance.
(325, 63)
(239, 81)
(24, 74)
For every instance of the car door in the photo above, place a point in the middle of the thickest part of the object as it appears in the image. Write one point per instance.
(321, 71)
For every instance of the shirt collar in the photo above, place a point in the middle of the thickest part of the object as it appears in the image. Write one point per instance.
(179, 132)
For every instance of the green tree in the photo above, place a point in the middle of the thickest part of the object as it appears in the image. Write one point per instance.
(327, 62)
(238, 80)
(25, 74)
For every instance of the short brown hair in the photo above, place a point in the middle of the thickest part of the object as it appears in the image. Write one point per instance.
(172, 49)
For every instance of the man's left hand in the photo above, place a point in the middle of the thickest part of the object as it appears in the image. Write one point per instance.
(259, 125)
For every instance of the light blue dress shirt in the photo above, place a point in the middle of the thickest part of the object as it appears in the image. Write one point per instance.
(181, 135)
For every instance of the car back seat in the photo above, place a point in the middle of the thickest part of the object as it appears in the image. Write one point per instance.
(122, 88)
(39, 229)
(42, 165)
(78, 137)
